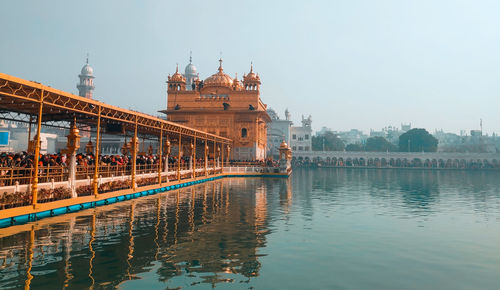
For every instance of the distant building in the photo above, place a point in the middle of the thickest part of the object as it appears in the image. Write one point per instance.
(405, 127)
(301, 137)
(277, 131)
(476, 142)
(18, 139)
(374, 133)
(354, 136)
(476, 133)
(86, 85)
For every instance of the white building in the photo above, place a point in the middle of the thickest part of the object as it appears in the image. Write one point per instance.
(18, 138)
(277, 131)
(301, 137)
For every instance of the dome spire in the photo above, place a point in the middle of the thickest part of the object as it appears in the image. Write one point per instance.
(176, 68)
(190, 56)
(220, 65)
(87, 58)
(251, 67)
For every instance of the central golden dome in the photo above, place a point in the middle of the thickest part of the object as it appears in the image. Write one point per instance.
(219, 79)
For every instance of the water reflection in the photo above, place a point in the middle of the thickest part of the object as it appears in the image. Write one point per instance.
(204, 232)
(221, 233)
(415, 191)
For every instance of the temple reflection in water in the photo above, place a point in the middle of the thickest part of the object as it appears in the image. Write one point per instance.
(203, 231)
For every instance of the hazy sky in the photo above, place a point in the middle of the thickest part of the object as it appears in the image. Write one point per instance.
(350, 64)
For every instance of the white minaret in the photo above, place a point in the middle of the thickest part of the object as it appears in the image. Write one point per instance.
(190, 74)
(86, 85)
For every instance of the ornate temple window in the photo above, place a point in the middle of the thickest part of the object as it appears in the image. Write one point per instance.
(244, 132)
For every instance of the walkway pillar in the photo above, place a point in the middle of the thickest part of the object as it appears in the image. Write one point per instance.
(167, 152)
(218, 156)
(179, 158)
(191, 156)
(222, 159)
(160, 155)
(73, 144)
(29, 130)
(135, 144)
(215, 148)
(194, 157)
(34, 186)
(96, 155)
(206, 157)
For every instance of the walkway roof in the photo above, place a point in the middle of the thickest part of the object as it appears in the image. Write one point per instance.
(20, 99)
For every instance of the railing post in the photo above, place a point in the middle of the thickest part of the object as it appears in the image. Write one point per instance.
(179, 158)
(160, 152)
(134, 156)
(96, 155)
(34, 186)
(11, 175)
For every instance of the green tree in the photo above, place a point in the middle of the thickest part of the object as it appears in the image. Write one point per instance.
(328, 140)
(354, 147)
(417, 140)
(379, 144)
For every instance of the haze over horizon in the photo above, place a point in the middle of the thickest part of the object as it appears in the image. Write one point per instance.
(349, 64)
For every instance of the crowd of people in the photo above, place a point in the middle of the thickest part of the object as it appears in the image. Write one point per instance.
(26, 160)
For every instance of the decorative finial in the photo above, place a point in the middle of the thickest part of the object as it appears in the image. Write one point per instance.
(190, 56)
(251, 67)
(236, 76)
(220, 64)
(87, 58)
(177, 68)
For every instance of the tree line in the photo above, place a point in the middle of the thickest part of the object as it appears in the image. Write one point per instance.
(414, 140)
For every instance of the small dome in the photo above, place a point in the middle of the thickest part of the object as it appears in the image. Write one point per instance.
(190, 70)
(177, 77)
(283, 145)
(251, 76)
(237, 85)
(272, 113)
(87, 70)
(220, 79)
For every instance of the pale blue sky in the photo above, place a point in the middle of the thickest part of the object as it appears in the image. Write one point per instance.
(350, 64)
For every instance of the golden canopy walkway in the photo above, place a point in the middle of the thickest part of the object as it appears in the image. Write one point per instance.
(27, 101)
(34, 99)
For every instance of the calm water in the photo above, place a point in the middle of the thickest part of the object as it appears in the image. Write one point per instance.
(320, 229)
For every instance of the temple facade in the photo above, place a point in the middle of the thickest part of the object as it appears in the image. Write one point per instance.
(224, 106)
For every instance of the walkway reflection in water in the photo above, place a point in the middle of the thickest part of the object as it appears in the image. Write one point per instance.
(337, 228)
(202, 231)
